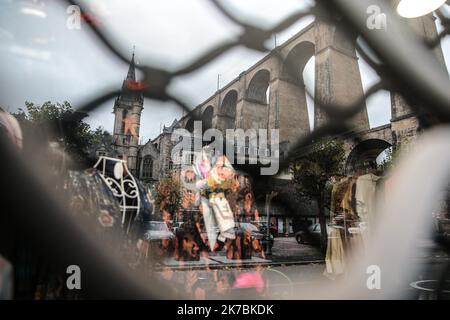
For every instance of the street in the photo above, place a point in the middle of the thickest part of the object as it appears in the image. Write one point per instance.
(293, 270)
(287, 249)
(276, 282)
(290, 267)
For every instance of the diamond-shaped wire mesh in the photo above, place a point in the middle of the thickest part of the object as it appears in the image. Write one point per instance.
(420, 84)
(391, 71)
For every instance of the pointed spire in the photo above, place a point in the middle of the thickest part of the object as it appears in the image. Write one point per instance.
(131, 70)
(131, 87)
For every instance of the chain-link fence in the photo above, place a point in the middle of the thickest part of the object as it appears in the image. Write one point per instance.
(405, 64)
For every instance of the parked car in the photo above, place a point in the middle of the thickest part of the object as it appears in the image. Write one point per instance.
(311, 235)
(157, 230)
(255, 232)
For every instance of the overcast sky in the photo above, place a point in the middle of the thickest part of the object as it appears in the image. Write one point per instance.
(41, 59)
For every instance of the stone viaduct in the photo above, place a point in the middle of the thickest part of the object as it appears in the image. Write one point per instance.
(271, 93)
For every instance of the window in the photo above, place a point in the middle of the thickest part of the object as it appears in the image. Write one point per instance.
(147, 167)
(127, 139)
(188, 158)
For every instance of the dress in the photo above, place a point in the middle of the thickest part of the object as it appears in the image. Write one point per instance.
(365, 196)
(215, 179)
(335, 256)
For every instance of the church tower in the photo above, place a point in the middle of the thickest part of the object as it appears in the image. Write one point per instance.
(128, 107)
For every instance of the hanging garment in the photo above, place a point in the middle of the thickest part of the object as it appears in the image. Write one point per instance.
(223, 215)
(210, 222)
(338, 195)
(347, 204)
(92, 201)
(366, 196)
(333, 201)
(216, 176)
(355, 243)
(335, 256)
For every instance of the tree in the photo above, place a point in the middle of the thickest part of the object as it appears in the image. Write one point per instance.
(99, 136)
(59, 122)
(168, 195)
(312, 174)
(388, 162)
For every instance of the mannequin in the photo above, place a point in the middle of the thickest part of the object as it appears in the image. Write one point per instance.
(215, 178)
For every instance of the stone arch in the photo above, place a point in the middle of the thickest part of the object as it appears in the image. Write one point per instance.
(207, 117)
(364, 154)
(227, 109)
(295, 62)
(189, 125)
(259, 86)
(290, 105)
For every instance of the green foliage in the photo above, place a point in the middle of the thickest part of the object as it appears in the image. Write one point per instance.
(312, 174)
(313, 171)
(99, 136)
(168, 195)
(58, 122)
(389, 161)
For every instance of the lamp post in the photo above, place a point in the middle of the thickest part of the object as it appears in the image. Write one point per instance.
(269, 197)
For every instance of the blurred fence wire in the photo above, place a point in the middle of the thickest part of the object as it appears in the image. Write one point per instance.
(421, 84)
(425, 85)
